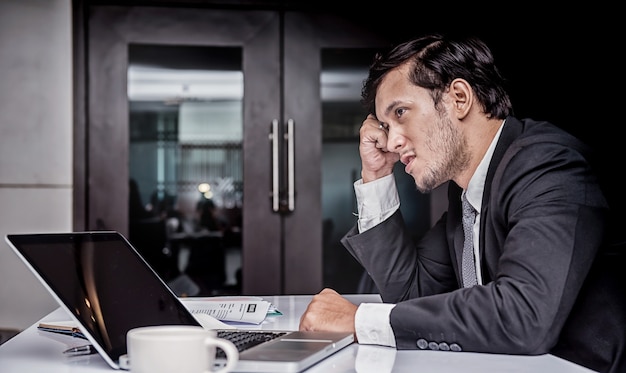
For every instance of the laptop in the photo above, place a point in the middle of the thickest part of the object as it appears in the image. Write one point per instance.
(107, 288)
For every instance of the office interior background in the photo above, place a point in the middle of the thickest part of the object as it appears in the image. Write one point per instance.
(561, 65)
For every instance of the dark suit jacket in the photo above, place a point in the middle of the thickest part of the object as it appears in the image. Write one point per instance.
(542, 224)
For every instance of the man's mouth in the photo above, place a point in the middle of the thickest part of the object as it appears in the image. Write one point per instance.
(406, 160)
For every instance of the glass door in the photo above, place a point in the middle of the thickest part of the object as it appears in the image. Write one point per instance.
(326, 60)
(186, 163)
(204, 137)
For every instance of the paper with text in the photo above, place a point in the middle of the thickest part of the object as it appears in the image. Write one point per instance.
(234, 309)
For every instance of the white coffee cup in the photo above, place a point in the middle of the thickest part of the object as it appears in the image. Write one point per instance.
(176, 348)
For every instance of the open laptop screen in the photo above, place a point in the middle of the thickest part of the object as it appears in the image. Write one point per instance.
(96, 276)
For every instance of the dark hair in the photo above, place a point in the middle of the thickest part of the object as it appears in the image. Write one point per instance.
(437, 61)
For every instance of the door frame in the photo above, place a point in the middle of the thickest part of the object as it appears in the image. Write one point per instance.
(102, 189)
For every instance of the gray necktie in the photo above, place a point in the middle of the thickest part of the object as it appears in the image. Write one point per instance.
(468, 268)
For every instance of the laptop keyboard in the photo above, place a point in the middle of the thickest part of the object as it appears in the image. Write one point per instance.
(245, 339)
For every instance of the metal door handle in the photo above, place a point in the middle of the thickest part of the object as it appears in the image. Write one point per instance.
(279, 202)
(275, 191)
(289, 137)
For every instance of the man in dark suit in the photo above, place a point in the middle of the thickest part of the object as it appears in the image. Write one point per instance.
(540, 281)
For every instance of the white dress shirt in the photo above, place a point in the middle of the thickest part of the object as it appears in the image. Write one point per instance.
(378, 200)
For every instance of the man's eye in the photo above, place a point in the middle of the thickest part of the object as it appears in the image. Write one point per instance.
(399, 112)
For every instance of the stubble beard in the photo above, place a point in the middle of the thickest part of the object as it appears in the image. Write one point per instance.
(447, 142)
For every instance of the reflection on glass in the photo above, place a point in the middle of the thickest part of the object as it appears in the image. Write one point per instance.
(185, 155)
(342, 76)
(343, 72)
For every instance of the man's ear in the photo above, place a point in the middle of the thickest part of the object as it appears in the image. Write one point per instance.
(462, 97)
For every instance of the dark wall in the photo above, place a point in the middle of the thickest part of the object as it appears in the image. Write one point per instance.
(561, 65)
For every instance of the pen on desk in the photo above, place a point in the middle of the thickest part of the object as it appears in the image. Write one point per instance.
(80, 350)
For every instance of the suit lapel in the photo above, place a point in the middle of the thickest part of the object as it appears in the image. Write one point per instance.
(511, 131)
(455, 228)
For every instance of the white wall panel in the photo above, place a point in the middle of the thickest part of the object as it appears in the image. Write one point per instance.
(35, 142)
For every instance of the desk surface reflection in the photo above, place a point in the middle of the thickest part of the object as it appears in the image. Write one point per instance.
(36, 351)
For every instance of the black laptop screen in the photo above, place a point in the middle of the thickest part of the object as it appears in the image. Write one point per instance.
(104, 283)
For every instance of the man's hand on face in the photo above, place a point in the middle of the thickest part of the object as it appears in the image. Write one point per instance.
(377, 161)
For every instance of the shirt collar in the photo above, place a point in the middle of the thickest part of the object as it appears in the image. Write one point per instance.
(476, 185)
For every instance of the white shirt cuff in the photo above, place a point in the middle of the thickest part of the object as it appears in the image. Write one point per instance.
(376, 201)
(372, 324)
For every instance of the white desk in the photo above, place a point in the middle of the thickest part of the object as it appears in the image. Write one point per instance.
(34, 351)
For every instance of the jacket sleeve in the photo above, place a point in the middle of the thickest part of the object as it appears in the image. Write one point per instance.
(401, 269)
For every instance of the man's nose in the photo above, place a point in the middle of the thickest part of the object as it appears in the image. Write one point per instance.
(395, 141)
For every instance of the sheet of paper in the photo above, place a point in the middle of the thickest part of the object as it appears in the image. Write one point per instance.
(251, 310)
(210, 322)
(272, 310)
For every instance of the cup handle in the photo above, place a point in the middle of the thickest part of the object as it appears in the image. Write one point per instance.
(232, 354)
